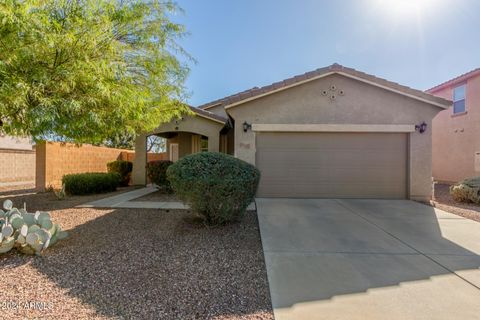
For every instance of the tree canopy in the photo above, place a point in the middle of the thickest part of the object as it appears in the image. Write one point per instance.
(88, 70)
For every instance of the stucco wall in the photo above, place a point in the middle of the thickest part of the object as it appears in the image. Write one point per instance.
(456, 138)
(18, 143)
(17, 169)
(361, 104)
(17, 163)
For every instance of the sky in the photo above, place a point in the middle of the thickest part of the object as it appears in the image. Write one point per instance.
(239, 44)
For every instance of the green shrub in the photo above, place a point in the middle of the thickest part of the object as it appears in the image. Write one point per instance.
(467, 190)
(123, 168)
(91, 182)
(217, 186)
(157, 172)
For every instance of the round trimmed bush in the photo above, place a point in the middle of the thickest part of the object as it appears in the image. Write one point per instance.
(217, 186)
(157, 173)
(123, 168)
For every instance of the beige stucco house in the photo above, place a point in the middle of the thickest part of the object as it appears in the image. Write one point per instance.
(456, 130)
(331, 133)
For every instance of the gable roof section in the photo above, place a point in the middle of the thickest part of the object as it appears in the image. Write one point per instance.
(335, 68)
(208, 115)
(455, 80)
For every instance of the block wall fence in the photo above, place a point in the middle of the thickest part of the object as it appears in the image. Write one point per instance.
(55, 159)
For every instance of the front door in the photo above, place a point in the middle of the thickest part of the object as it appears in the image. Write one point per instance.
(173, 152)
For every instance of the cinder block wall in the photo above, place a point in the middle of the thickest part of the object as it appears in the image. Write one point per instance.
(130, 156)
(55, 159)
(17, 169)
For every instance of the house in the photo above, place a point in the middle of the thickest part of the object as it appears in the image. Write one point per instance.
(15, 143)
(17, 163)
(456, 130)
(331, 133)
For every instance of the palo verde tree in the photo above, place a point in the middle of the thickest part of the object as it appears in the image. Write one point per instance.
(88, 70)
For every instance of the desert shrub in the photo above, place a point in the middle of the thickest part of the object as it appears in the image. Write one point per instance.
(157, 172)
(91, 182)
(123, 168)
(217, 186)
(467, 190)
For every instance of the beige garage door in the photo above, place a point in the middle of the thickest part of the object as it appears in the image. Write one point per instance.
(332, 165)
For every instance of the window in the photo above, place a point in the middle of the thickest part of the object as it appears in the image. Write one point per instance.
(459, 99)
(204, 144)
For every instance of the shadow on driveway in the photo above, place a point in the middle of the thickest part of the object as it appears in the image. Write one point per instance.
(363, 259)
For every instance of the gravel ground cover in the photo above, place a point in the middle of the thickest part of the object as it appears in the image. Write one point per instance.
(443, 200)
(160, 196)
(136, 264)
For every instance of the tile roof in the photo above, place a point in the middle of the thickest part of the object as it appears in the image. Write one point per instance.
(208, 114)
(334, 68)
(460, 78)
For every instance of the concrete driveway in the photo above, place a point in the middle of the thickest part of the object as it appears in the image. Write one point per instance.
(369, 259)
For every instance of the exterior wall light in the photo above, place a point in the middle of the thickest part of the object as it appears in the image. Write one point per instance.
(247, 126)
(421, 128)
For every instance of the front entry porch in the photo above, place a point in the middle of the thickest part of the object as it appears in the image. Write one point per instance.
(180, 144)
(201, 131)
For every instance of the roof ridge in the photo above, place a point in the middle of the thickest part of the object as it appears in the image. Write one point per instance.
(453, 80)
(218, 101)
(256, 88)
(311, 75)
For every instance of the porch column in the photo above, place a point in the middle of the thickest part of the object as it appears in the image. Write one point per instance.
(139, 171)
(214, 143)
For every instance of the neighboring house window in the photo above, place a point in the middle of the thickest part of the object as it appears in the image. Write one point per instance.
(204, 144)
(459, 99)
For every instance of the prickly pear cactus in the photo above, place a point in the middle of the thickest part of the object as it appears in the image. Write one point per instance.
(29, 233)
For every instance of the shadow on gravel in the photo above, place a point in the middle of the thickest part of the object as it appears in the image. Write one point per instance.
(150, 264)
(16, 192)
(47, 201)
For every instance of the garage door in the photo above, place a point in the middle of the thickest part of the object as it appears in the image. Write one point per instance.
(332, 165)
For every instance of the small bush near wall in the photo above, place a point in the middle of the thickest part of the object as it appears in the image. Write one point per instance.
(217, 186)
(123, 168)
(91, 182)
(467, 190)
(157, 173)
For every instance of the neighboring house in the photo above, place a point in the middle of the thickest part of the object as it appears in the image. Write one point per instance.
(17, 143)
(331, 133)
(17, 163)
(456, 131)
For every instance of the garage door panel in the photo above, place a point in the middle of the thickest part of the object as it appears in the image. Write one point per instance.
(332, 140)
(341, 190)
(332, 165)
(331, 157)
(326, 156)
(347, 175)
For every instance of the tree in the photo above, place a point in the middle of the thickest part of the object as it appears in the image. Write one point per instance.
(87, 70)
(122, 140)
(156, 144)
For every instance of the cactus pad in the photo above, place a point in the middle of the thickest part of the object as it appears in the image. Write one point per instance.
(7, 204)
(27, 232)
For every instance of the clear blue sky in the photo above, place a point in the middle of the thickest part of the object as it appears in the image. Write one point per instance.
(245, 43)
